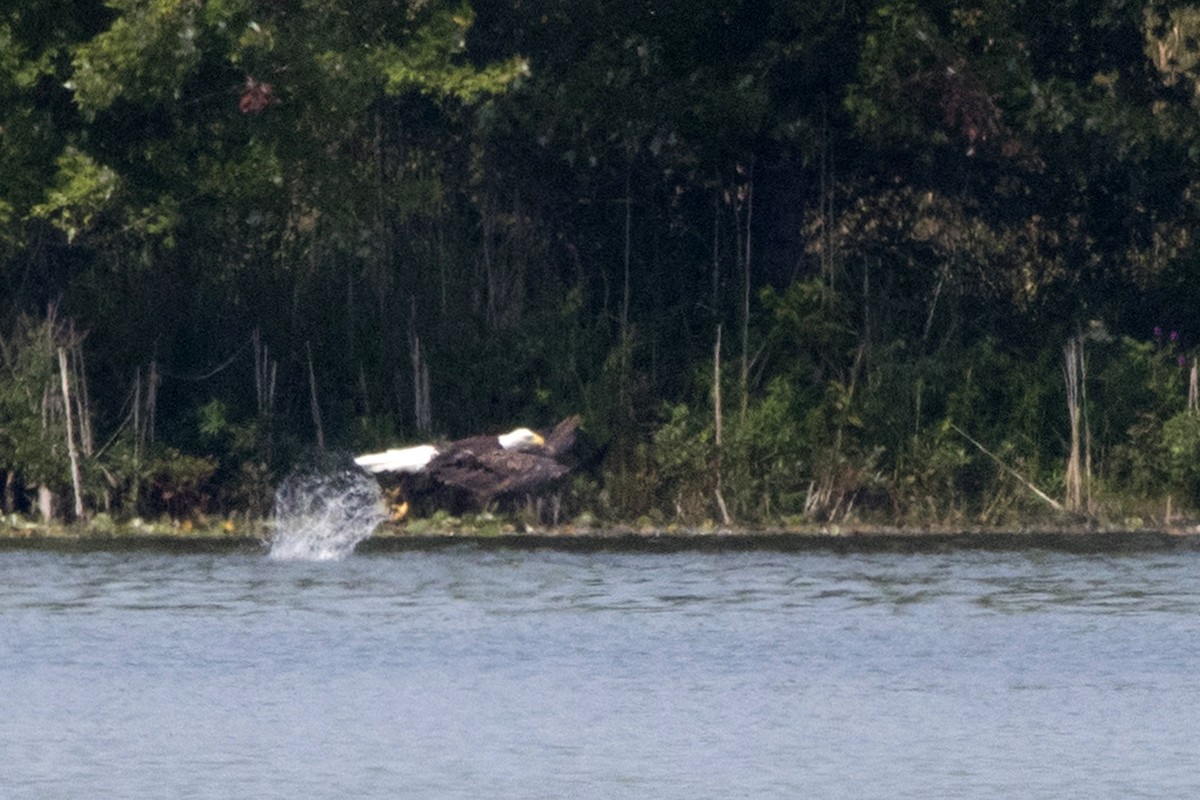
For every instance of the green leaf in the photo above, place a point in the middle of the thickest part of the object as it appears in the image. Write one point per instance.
(83, 189)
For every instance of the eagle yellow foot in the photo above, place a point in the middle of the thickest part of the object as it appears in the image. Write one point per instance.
(396, 504)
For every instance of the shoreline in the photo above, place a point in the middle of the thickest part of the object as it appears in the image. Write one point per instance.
(256, 537)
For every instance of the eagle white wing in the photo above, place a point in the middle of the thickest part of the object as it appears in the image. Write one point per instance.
(405, 459)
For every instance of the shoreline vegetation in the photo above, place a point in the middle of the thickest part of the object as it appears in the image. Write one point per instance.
(891, 265)
(505, 531)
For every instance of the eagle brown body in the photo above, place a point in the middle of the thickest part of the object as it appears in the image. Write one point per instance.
(478, 472)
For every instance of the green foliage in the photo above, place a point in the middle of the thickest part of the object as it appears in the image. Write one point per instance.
(32, 432)
(778, 461)
(684, 460)
(769, 462)
(83, 191)
(180, 483)
(1181, 455)
(809, 333)
(18, 72)
(931, 482)
(1142, 389)
(999, 395)
(547, 208)
(241, 456)
(433, 62)
(144, 56)
(900, 41)
(34, 38)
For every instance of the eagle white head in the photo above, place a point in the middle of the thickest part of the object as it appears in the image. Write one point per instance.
(521, 439)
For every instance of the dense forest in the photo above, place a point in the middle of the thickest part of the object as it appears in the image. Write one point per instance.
(919, 261)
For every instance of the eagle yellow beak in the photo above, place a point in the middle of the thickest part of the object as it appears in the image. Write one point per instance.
(539, 440)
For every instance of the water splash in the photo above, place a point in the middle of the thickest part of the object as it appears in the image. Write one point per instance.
(321, 516)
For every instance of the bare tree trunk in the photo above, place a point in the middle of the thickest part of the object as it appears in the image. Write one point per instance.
(137, 411)
(265, 369)
(351, 354)
(363, 389)
(1193, 401)
(83, 403)
(489, 268)
(138, 444)
(866, 291)
(826, 203)
(744, 377)
(145, 402)
(316, 406)
(153, 381)
(439, 238)
(72, 452)
(625, 343)
(1072, 357)
(1087, 430)
(628, 255)
(422, 406)
(717, 427)
(47, 502)
(716, 256)
(145, 406)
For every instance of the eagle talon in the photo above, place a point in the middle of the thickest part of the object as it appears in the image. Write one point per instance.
(398, 511)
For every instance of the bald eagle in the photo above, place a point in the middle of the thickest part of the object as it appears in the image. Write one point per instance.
(476, 472)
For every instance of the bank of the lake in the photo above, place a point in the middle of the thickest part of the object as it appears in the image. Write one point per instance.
(491, 532)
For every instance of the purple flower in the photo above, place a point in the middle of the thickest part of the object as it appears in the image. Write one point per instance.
(1181, 360)
(1157, 331)
(1174, 336)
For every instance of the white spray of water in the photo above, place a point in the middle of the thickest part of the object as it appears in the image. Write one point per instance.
(322, 516)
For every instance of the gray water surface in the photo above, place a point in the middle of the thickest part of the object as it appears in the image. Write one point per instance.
(533, 673)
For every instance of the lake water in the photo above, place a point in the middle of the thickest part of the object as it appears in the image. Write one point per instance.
(521, 672)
